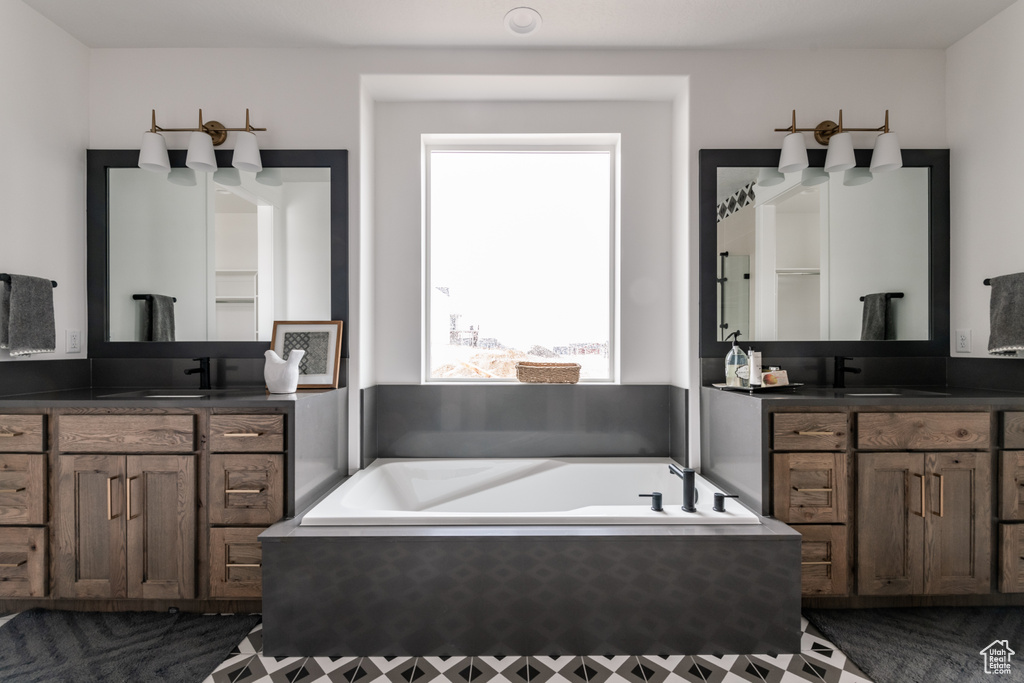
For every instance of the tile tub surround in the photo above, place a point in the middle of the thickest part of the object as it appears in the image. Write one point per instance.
(817, 662)
(519, 420)
(522, 590)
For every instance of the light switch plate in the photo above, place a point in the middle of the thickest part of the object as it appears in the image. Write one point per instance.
(963, 341)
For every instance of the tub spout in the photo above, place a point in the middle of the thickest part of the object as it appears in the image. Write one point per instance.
(689, 486)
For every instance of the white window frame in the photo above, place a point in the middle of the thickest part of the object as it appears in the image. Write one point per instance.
(554, 143)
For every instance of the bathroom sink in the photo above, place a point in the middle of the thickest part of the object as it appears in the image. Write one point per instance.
(170, 393)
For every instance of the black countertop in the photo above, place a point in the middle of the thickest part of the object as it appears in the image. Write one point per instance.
(923, 396)
(243, 397)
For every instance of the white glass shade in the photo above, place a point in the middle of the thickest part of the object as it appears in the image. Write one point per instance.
(200, 155)
(813, 176)
(857, 176)
(227, 176)
(887, 155)
(153, 154)
(247, 153)
(794, 153)
(182, 176)
(769, 176)
(840, 153)
(269, 176)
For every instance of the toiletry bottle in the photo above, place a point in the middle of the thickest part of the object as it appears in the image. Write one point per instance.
(737, 367)
(755, 367)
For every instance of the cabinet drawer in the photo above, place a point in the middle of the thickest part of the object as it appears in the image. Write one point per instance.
(809, 431)
(1013, 430)
(126, 433)
(22, 562)
(823, 559)
(236, 563)
(21, 433)
(923, 431)
(810, 487)
(247, 433)
(1011, 562)
(22, 488)
(246, 488)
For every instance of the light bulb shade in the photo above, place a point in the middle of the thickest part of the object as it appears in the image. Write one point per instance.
(247, 153)
(185, 177)
(153, 154)
(887, 155)
(857, 176)
(840, 153)
(270, 177)
(767, 177)
(227, 176)
(794, 153)
(813, 176)
(200, 155)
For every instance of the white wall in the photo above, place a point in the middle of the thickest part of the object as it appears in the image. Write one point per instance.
(645, 205)
(984, 101)
(44, 126)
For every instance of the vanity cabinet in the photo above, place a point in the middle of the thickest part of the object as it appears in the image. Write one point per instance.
(924, 523)
(23, 514)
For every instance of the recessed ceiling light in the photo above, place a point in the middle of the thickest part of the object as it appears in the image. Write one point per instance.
(522, 20)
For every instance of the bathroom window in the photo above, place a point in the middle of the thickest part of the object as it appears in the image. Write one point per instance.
(520, 259)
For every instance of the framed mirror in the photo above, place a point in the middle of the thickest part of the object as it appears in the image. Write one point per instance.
(227, 252)
(789, 260)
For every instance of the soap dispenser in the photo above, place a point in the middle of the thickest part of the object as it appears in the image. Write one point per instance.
(737, 368)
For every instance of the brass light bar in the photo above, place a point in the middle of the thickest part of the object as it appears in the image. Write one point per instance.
(826, 129)
(214, 129)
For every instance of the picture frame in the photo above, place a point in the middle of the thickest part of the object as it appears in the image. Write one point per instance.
(321, 340)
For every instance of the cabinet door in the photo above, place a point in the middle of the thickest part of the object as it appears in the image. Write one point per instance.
(890, 519)
(958, 532)
(161, 523)
(810, 487)
(246, 488)
(22, 488)
(236, 563)
(90, 527)
(823, 553)
(1011, 485)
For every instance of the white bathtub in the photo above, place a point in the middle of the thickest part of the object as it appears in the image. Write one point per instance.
(455, 491)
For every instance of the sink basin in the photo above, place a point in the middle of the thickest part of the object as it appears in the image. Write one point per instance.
(875, 392)
(872, 393)
(169, 393)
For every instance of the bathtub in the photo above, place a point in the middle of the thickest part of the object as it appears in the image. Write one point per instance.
(517, 491)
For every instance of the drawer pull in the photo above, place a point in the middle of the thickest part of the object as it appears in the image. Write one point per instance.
(7, 434)
(230, 564)
(823, 562)
(816, 433)
(12, 566)
(242, 434)
(12, 490)
(243, 490)
(806, 490)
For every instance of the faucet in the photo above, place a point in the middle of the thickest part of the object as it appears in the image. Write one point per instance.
(840, 370)
(689, 486)
(203, 370)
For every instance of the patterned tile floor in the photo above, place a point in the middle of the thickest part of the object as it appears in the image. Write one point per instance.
(819, 661)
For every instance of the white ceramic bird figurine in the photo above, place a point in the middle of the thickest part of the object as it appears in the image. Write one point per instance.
(282, 376)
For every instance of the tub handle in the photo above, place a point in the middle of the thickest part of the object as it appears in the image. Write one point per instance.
(719, 505)
(655, 500)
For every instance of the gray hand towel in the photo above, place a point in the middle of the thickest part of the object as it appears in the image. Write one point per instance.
(26, 316)
(1006, 315)
(878, 322)
(158, 318)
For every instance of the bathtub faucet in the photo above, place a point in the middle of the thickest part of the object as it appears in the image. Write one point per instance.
(689, 486)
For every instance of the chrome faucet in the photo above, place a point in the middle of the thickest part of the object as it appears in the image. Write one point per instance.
(839, 371)
(689, 478)
(203, 370)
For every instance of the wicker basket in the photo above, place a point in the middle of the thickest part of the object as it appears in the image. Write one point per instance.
(548, 373)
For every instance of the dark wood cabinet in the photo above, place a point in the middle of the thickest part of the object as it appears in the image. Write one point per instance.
(126, 526)
(810, 487)
(924, 523)
(236, 562)
(824, 565)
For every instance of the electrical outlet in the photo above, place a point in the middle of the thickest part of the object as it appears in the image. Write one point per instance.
(963, 341)
(72, 341)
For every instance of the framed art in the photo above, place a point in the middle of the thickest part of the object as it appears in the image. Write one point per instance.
(321, 340)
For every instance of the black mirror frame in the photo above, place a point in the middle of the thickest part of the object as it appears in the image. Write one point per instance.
(99, 160)
(937, 344)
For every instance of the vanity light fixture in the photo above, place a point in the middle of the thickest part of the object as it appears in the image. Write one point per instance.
(200, 157)
(840, 157)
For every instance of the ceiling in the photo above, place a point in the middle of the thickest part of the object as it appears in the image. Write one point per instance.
(720, 24)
